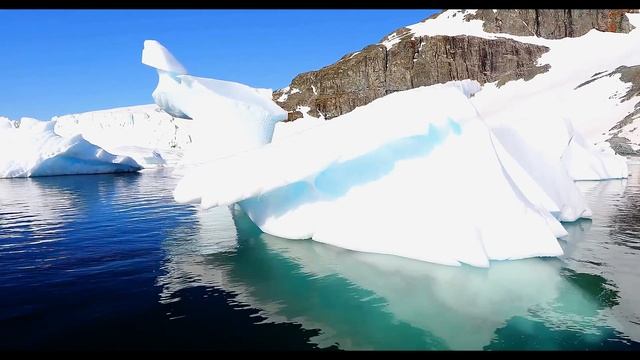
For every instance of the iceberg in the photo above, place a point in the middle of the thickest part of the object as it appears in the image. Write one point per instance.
(428, 186)
(584, 161)
(228, 117)
(436, 184)
(145, 133)
(30, 147)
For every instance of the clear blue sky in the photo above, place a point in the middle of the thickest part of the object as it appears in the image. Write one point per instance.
(65, 61)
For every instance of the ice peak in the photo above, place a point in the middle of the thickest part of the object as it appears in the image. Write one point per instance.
(157, 56)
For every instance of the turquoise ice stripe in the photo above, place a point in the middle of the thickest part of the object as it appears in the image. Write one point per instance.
(337, 179)
(455, 126)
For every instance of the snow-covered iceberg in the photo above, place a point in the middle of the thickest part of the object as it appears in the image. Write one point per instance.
(428, 185)
(437, 183)
(228, 117)
(30, 147)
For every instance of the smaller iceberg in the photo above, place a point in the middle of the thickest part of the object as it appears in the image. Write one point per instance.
(145, 133)
(30, 147)
(584, 161)
(228, 117)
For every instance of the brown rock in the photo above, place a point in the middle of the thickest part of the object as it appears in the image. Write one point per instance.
(552, 23)
(359, 78)
(631, 75)
(294, 115)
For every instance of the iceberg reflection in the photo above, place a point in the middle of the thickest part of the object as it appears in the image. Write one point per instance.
(369, 301)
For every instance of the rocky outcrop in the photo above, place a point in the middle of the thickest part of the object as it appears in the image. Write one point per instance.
(375, 71)
(629, 74)
(552, 23)
(620, 145)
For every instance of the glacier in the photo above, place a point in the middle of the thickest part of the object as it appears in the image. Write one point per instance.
(30, 147)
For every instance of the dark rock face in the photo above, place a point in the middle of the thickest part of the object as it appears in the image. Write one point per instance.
(620, 146)
(552, 23)
(293, 115)
(359, 78)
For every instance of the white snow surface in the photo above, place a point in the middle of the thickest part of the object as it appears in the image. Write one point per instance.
(5, 123)
(286, 129)
(30, 147)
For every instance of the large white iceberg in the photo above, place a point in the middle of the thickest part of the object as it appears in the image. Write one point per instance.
(30, 147)
(436, 184)
(429, 185)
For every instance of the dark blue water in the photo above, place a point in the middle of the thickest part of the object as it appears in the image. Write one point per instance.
(112, 262)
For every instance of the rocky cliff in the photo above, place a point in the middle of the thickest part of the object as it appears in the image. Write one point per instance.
(413, 61)
(375, 71)
(552, 24)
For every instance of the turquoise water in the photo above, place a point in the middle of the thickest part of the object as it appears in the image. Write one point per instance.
(110, 261)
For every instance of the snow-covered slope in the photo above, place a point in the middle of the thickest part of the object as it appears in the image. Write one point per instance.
(584, 64)
(594, 108)
(30, 147)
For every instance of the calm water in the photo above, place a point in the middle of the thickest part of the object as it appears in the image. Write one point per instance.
(111, 262)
